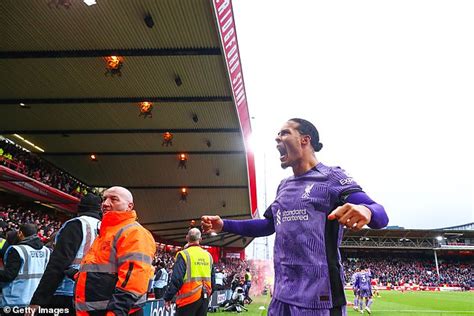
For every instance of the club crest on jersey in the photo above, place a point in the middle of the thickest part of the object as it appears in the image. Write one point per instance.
(307, 191)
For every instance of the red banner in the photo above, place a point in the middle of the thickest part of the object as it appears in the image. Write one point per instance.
(230, 47)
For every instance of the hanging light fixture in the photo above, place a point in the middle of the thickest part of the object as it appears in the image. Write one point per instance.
(167, 139)
(145, 109)
(113, 64)
(93, 157)
(184, 195)
(183, 158)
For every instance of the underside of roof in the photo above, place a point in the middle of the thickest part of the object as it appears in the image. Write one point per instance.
(52, 61)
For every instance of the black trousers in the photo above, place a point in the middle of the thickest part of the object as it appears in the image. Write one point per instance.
(102, 313)
(198, 308)
(63, 302)
(159, 293)
(336, 311)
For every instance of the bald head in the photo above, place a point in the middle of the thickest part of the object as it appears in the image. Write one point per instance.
(194, 235)
(117, 199)
(124, 193)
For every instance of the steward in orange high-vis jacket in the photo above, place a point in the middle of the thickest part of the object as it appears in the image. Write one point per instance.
(114, 275)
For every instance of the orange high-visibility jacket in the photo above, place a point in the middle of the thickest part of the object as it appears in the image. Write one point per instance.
(115, 273)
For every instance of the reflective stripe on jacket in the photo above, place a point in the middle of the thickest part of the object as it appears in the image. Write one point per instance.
(33, 263)
(90, 227)
(119, 260)
(198, 275)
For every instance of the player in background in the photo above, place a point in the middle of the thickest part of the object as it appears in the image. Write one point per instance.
(355, 289)
(365, 290)
(375, 287)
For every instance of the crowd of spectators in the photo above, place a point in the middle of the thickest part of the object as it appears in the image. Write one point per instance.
(29, 164)
(230, 268)
(414, 271)
(233, 270)
(12, 217)
(166, 257)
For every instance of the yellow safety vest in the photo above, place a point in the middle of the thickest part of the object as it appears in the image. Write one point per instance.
(248, 277)
(198, 275)
(2, 243)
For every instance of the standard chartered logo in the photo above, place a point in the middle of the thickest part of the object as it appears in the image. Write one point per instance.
(294, 215)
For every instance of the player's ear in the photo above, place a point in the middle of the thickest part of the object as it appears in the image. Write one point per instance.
(305, 139)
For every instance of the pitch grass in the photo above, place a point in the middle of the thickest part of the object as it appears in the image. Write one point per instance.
(421, 303)
(395, 303)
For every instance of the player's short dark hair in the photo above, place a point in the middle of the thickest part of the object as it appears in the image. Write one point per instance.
(28, 229)
(307, 128)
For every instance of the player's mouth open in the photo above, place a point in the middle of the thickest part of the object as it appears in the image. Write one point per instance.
(283, 153)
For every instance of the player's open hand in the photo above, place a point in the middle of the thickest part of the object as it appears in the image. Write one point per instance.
(211, 224)
(352, 216)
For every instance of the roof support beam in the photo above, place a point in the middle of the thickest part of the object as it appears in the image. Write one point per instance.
(108, 100)
(188, 220)
(122, 131)
(181, 235)
(232, 241)
(145, 153)
(112, 52)
(206, 187)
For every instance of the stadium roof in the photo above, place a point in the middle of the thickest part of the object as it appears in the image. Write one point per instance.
(468, 226)
(427, 239)
(52, 57)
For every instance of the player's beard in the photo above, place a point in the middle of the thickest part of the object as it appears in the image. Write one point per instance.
(285, 164)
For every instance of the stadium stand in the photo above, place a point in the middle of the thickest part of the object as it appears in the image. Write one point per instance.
(13, 216)
(19, 159)
(391, 272)
(428, 258)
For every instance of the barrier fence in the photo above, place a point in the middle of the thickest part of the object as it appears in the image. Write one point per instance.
(157, 307)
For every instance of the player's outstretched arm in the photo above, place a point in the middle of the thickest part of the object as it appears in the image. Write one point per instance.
(249, 228)
(360, 210)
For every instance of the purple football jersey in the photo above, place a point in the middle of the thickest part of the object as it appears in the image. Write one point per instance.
(308, 272)
(354, 280)
(364, 281)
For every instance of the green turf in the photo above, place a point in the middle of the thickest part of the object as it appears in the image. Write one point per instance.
(421, 303)
(395, 303)
(253, 308)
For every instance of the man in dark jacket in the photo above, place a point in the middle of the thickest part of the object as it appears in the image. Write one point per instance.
(72, 242)
(24, 266)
